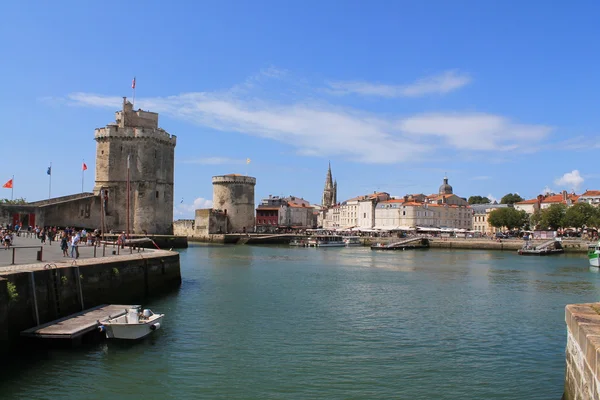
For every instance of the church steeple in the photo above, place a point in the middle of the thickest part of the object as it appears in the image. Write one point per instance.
(330, 190)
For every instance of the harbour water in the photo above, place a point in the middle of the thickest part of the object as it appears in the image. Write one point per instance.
(254, 322)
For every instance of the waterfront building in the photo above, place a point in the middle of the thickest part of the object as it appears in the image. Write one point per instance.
(284, 212)
(591, 197)
(481, 213)
(402, 214)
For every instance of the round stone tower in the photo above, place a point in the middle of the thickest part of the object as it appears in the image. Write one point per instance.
(134, 145)
(234, 194)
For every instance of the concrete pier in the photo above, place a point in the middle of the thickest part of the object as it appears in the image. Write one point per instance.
(36, 293)
(583, 352)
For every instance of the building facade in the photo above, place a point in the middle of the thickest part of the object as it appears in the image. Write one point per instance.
(481, 213)
(591, 197)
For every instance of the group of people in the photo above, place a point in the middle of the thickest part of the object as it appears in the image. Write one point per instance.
(69, 237)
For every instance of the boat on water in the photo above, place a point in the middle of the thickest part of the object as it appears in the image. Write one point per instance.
(298, 242)
(593, 254)
(352, 241)
(325, 241)
(547, 249)
(132, 325)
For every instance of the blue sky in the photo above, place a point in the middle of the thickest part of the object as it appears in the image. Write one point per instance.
(501, 96)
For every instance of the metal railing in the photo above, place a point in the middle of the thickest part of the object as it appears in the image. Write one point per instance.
(39, 256)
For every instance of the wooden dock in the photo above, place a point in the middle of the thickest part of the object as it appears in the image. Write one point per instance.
(75, 325)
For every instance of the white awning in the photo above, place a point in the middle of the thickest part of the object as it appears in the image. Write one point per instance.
(421, 228)
(384, 228)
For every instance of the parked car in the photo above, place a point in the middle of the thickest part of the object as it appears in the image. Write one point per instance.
(500, 235)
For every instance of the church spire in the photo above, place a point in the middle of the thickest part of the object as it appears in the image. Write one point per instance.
(329, 192)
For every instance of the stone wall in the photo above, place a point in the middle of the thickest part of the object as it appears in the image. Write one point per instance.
(184, 227)
(583, 352)
(24, 212)
(127, 279)
(82, 213)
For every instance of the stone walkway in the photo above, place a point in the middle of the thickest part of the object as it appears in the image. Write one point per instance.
(51, 253)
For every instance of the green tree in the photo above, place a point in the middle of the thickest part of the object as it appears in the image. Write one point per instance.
(553, 217)
(510, 198)
(508, 217)
(15, 201)
(478, 200)
(579, 215)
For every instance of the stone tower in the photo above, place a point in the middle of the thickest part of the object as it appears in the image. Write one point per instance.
(330, 190)
(135, 139)
(234, 195)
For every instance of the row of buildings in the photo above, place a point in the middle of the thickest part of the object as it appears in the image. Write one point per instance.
(378, 211)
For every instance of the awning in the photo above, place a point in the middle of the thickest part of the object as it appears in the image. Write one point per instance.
(404, 228)
(383, 228)
(421, 228)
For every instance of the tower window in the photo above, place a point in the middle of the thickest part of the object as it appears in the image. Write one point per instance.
(157, 194)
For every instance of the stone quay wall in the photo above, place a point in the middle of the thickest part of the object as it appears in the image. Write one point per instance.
(125, 279)
(583, 352)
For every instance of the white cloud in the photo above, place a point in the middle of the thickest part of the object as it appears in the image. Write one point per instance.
(492, 198)
(187, 210)
(318, 128)
(570, 180)
(215, 161)
(547, 190)
(437, 84)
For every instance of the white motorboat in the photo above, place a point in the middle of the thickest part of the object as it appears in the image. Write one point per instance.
(132, 325)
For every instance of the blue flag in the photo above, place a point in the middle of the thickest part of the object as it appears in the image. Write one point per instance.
(49, 172)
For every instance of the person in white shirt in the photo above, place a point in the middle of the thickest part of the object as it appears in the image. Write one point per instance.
(74, 244)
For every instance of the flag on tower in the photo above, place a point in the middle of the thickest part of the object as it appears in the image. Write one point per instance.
(133, 83)
(83, 167)
(49, 172)
(8, 185)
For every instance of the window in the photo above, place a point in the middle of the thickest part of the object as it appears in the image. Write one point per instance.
(157, 194)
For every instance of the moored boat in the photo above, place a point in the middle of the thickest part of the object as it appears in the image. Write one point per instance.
(352, 241)
(132, 325)
(593, 254)
(325, 241)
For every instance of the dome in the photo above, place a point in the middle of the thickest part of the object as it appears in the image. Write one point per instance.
(445, 188)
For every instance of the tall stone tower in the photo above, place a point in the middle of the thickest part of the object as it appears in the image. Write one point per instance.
(234, 194)
(330, 190)
(135, 140)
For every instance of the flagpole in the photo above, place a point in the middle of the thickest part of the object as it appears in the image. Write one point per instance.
(128, 194)
(12, 187)
(82, 171)
(50, 182)
(133, 87)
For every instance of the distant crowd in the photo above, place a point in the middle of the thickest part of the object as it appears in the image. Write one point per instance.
(69, 237)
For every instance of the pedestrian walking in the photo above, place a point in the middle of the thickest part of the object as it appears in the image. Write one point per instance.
(74, 245)
(64, 244)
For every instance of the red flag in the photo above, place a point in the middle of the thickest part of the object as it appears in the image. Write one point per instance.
(133, 83)
(83, 167)
(8, 185)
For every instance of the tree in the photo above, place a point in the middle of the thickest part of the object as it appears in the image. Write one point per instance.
(15, 201)
(579, 215)
(478, 200)
(508, 217)
(553, 217)
(511, 198)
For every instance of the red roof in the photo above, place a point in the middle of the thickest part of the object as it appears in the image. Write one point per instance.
(558, 198)
(531, 201)
(592, 193)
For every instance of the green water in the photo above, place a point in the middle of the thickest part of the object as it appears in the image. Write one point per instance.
(292, 323)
